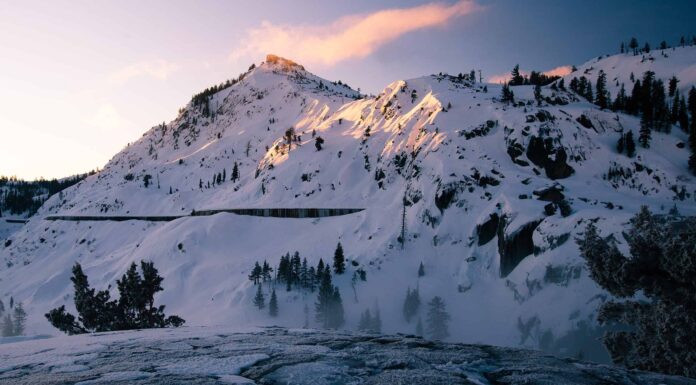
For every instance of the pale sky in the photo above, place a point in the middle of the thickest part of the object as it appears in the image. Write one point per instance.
(81, 79)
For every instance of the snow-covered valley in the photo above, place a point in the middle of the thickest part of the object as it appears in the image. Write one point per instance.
(489, 196)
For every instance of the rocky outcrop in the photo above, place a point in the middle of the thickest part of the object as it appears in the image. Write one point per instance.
(292, 356)
(554, 161)
(487, 230)
(514, 247)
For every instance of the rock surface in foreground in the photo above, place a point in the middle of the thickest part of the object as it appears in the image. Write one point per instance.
(282, 356)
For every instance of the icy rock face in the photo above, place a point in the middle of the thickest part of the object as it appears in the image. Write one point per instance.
(435, 157)
(298, 357)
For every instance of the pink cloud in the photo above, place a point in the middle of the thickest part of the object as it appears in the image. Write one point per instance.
(354, 36)
(558, 71)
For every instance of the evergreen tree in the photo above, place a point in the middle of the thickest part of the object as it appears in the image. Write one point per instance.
(507, 95)
(235, 173)
(324, 299)
(661, 114)
(683, 118)
(602, 99)
(259, 299)
(656, 330)
(438, 319)
(256, 273)
(673, 85)
(674, 113)
(630, 145)
(365, 321)
(620, 101)
(620, 144)
(633, 45)
(20, 320)
(421, 270)
(318, 143)
(273, 304)
(7, 326)
(691, 106)
(516, 78)
(411, 304)
(339, 262)
(376, 325)
(134, 309)
(337, 312)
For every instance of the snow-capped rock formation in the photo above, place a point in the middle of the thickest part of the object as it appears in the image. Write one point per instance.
(489, 195)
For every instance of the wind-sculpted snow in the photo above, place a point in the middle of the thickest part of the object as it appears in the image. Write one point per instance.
(300, 357)
(436, 156)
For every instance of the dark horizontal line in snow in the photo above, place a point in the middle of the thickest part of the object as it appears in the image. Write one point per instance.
(270, 212)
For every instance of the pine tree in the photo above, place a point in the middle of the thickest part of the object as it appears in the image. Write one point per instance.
(411, 304)
(620, 144)
(339, 262)
(235, 173)
(273, 304)
(20, 319)
(683, 118)
(673, 85)
(537, 94)
(337, 312)
(318, 143)
(602, 99)
(324, 299)
(256, 273)
(674, 113)
(365, 321)
(630, 145)
(421, 270)
(633, 45)
(419, 327)
(7, 326)
(516, 78)
(376, 325)
(691, 106)
(507, 95)
(259, 299)
(438, 319)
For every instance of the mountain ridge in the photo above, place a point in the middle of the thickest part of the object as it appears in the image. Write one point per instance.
(488, 194)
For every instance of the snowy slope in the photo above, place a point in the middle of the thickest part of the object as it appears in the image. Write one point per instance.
(453, 152)
(676, 61)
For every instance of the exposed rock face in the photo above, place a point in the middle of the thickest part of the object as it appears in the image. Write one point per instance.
(539, 151)
(487, 230)
(281, 356)
(514, 247)
(550, 194)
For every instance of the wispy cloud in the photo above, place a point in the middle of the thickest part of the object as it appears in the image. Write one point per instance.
(353, 36)
(156, 69)
(106, 118)
(558, 71)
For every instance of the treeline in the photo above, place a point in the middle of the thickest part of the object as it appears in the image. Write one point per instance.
(201, 100)
(534, 79)
(134, 309)
(633, 46)
(18, 196)
(658, 106)
(294, 273)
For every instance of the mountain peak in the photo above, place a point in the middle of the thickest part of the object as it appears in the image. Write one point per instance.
(282, 63)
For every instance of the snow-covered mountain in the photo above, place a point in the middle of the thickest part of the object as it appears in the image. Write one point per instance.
(492, 196)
